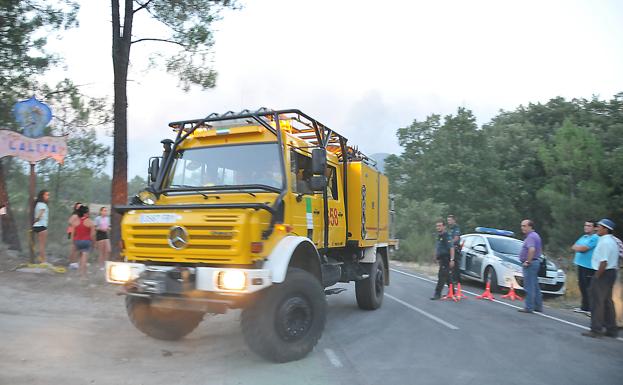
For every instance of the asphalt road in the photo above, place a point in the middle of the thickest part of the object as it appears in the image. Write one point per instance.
(65, 333)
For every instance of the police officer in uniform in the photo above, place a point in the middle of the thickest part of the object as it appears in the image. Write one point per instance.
(455, 232)
(444, 254)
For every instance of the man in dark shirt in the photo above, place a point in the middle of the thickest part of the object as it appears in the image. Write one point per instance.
(455, 232)
(444, 254)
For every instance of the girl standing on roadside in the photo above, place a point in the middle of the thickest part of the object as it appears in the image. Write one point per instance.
(40, 222)
(72, 221)
(83, 235)
(102, 226)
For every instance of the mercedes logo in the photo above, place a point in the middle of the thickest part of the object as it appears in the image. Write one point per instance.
(178, 237)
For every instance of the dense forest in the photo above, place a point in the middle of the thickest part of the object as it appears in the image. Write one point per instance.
(557, 163)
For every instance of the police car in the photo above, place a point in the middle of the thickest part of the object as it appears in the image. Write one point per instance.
(494, 254)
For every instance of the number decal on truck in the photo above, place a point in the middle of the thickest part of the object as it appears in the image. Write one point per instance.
(333, 216)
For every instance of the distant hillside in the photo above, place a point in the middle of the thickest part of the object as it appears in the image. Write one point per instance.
(380, 160)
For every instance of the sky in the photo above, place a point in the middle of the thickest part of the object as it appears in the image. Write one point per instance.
(363, 68)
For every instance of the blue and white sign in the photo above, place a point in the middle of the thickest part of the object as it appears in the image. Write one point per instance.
(32, 116)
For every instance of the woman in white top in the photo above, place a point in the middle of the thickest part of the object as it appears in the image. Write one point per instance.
(40, 222)
(102, 226)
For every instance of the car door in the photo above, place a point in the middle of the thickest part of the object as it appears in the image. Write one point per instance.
(478, 252)
(466, 243)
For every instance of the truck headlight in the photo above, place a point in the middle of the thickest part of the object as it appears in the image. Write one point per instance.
(147, 197)
(232, 280)
(119, 272)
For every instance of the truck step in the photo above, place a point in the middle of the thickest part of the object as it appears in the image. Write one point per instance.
(336, 290)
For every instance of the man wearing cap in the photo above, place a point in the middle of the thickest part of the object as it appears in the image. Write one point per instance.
(605, 260)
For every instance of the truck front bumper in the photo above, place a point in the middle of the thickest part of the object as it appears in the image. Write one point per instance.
(176, 280)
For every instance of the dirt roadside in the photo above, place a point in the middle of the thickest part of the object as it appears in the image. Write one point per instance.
(58, 329)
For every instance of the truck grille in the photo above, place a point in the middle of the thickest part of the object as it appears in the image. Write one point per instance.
(217, 239)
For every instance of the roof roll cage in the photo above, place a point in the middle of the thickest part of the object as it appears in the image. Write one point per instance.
(306, 128)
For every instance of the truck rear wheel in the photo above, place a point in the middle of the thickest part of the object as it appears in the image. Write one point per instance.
(369, 291)
(159, 323)
(286, 320)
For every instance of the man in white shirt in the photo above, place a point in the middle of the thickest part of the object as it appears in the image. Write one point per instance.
(605, 262)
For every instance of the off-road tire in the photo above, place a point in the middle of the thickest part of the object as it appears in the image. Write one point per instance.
(285, 321)
(493, 276)
(369, 291)
(162, 324)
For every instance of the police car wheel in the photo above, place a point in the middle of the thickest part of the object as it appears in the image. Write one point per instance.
(284, 322)
(370, 291)
(490, 274)
(162, 324)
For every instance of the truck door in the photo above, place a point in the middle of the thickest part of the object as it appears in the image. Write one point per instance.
(308, 219)
(370, 202)
(337, 214)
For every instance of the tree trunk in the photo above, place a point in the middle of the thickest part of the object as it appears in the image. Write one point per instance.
(10, 235)
(121, 41)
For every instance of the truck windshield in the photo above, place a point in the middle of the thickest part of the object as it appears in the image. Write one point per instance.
(235, 165)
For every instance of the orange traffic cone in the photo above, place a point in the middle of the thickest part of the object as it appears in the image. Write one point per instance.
(450, 294)
(459, 294)
(512, 295)
(487, 294)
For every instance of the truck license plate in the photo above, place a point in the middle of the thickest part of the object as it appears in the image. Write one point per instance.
(158, 218)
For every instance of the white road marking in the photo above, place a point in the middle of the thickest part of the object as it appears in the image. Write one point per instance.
(503, 303)
(333, 358)
(424, 313)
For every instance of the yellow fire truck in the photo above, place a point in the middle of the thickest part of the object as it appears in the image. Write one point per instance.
(259, 210)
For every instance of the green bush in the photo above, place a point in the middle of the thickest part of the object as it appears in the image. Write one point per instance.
(415, 227)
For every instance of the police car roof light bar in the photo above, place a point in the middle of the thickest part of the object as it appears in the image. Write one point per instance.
(489, 230)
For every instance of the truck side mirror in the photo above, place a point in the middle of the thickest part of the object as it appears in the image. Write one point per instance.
(319, 161)
(318, 182)
(154, 167)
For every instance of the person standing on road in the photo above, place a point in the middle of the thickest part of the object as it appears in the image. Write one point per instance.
(617, 290)
(605, 261)
(455, 232)
(444, 254)
(72, 221)
(102, 226)
(530, 258)
(40, 222)
(83, 236)
(583, 248)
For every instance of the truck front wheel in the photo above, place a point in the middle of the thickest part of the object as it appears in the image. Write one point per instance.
(285, 321)
(159, 323)
(369, 291)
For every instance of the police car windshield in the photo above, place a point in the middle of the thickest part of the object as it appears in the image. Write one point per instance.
(235, 165)
(505, 245)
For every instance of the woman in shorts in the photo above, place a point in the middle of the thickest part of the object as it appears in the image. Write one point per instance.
(102, 226)
(72, 221)
(40, 222)
(83, 236)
